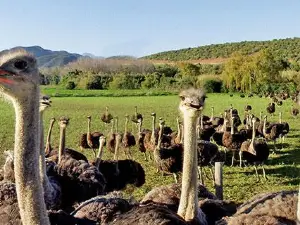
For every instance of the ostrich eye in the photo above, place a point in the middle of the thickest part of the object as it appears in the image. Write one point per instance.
(182, 98)
(20, 64)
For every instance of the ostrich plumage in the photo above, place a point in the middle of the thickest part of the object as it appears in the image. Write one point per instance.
(266, 209)
(90, 140)
(119, 173)
(271, 108)
(106, 117)
(168, 159)
(255, 151)
(136, 116)
(128, 140)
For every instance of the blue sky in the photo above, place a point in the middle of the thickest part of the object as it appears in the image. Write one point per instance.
(138, 28)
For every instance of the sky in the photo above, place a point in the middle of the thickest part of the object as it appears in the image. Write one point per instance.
(140, 27)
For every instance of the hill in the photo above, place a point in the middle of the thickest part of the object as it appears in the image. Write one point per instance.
(285, 48)
(49, 58)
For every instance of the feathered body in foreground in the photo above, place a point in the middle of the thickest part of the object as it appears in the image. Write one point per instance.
(275, 208)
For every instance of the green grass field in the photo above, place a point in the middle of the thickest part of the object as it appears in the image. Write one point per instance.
(239, 183)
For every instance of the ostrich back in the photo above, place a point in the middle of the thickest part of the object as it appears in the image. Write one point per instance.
(53, 155)
(149, 214)
(60, 218)
(102, 209)
(261, 148)
(9, 209)
(128, 140)
(270, 208)
(169, 159)
(232, 141)
(169, 195)
(207, 151)
(206, 133)
(86, 180)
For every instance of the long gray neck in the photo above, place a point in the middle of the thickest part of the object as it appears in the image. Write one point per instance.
(62, 143)
(100, 152)
(188, 208)
(26, 157)
(153, 129)
(117, 145)
(48, 189)
(48, 141)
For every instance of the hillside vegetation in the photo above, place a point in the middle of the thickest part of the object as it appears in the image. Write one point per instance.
(284, 48)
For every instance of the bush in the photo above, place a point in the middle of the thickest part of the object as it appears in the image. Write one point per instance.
(212, 86)
(70, 85)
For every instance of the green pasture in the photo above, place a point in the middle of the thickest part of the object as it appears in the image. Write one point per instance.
(239, 183)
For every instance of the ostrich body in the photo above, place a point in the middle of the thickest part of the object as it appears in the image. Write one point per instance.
(205, 132)
(149, 139)
(215, 121)
(294, 111)
(128, 140)
(271, 133)
(19, 83)
(271, 108)
(137, 116)
(254, 151)
(106, 117)
(168, 159)
(119, 173)
(274, 208)
(232, 141)
(90, 140)
(110, 144)
(284, 128)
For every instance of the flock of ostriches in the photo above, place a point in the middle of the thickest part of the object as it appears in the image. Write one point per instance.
(42, 185)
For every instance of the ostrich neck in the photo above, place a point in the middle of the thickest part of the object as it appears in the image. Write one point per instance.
(48, 141)
(62, 143)
(153, 129)
(88, 135)
(117, 125)
(116, 155)
(100, 153)
(188, 200)
(232, 128)
(298, 208)
(280, 118)
(179, 130)
(26, 157)
(43, 171)
(201, 122)
(253, 135)
(126, 125)
(212, 113)
(264, 126)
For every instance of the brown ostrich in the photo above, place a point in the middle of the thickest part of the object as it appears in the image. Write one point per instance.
(106, 117)
(271, 108)
(149, 140)
(141, 139)
(177, 136)
(271, 133)
(232, 141)
(136, 116)
(128, 140)
(168, 159)
(90, 140)
(255, 151)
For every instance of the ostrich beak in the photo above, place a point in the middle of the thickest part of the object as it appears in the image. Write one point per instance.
(4, 79)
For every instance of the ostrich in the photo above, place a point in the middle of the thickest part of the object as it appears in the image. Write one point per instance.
(255, 151)
(192, 101)
(205, 132)
(294, 112)
(232, 141)
(149, 140)
(48, 140)
(86, 180)
(215, 121)
(271, 108)
(53, 155)
(19, 83)
(136, 116)
(271, 133)
(110, 144)
(168, 159)
(106, 117)
(128, 140)
(141, 138)
(90, 140)
(119, 173)
(177, 137)
(284, 129)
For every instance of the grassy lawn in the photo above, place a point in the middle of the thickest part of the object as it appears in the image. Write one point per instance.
(239, 183)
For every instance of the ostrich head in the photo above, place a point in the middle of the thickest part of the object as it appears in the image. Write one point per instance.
(153, 114)
(45, 102)
(18, 74)
(192, 101)
(63, 121)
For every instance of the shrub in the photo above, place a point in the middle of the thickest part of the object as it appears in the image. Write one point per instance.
(70, 85)
(212, 86)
